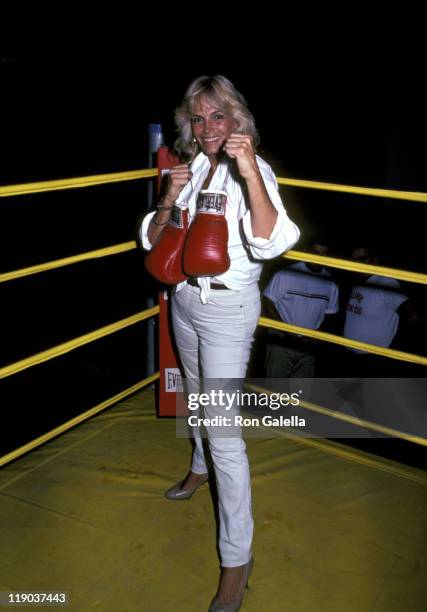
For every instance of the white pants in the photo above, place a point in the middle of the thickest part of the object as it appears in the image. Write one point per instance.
(214, 341)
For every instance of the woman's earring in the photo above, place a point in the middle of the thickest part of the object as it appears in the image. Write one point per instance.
(194, 141)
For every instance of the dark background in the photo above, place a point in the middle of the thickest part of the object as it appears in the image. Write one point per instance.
(360, 122)
(332, 117)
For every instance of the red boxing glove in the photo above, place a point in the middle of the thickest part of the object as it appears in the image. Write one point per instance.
(206, 246)
(164, 261)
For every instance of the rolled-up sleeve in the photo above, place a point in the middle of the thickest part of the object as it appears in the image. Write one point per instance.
(143, 231)
(285, 233)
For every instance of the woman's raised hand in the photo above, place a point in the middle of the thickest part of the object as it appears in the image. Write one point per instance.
(240, 147)
(177, 179)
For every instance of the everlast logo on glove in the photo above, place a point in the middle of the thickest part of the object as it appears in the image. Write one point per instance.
(205, 250)
(212, 202)
(164, 261)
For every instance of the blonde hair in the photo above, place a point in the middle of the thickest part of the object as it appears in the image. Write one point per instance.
(220, 91)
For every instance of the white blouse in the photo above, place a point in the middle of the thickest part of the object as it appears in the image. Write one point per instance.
(245, 268)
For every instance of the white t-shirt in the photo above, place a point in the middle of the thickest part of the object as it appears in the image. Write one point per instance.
(303, 297)
(243, 271)
(371, 311)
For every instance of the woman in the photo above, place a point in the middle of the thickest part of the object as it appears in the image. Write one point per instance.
(214, 317)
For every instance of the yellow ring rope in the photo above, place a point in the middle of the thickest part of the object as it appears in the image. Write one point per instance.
(100, 179)
(90, 181)
(66, 347)
(76, 420)
(115, 249)
(371, 348)
(73, 183)
(414, 196)
(336, 414)
(334, 448)
(343, 264)
(355, 266)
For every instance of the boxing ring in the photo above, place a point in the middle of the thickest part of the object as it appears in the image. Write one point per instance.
(83, 510)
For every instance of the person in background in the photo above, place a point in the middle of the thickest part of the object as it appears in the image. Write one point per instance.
(377, 313)
(301, 294)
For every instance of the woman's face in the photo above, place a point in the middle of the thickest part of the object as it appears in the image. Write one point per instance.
(211, 126)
